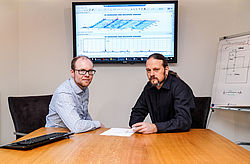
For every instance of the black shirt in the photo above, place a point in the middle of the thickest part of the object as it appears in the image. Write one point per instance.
(169, 107)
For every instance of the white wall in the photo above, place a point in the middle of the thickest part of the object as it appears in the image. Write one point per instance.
(9, 63)
(44, 52)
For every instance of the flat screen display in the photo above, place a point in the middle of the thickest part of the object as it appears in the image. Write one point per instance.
(125, 32)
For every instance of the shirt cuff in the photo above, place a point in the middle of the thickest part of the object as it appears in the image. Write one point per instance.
(159, 127)
(97, 124)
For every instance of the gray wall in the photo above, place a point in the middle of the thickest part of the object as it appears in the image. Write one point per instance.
(36, 50)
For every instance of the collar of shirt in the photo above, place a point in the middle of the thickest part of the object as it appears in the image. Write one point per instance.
(167, 82)
(75, 87)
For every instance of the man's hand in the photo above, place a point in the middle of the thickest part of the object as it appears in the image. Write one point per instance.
(144, 128)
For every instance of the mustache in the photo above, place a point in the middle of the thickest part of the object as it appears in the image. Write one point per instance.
(153, 77)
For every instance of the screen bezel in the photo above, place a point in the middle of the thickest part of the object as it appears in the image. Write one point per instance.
(131, 60)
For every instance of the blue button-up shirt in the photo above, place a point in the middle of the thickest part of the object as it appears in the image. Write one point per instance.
(69, 108)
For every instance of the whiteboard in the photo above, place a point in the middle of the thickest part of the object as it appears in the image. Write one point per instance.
(232, 76)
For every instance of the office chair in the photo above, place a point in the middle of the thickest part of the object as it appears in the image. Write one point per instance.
(201, 112)
(28, 113)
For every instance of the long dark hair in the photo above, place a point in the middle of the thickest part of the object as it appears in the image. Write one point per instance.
(159, 57)
(164, 62)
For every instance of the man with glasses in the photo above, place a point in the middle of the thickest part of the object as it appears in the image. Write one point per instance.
(69, 105)
(166, 98)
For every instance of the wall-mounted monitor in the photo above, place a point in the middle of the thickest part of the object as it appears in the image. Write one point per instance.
(125, 32)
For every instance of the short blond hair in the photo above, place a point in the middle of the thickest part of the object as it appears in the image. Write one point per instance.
(79, 57)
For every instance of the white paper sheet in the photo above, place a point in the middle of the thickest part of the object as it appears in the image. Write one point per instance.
(118, 132)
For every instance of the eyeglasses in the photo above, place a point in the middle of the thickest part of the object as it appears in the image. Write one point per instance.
(84, 72)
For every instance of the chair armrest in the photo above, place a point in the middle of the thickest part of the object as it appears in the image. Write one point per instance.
(20, 134)
(243, 143)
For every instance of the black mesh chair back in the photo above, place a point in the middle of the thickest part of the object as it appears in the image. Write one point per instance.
(28, 113)
(201, 112)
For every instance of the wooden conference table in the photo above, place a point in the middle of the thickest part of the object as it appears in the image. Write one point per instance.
(195, 146)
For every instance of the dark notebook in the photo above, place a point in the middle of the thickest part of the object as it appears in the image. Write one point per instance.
(37, 141)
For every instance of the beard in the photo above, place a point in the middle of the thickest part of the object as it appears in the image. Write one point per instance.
(82, 83)
(154, 78)
(158, 83)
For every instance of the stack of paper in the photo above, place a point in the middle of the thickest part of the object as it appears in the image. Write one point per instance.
(118, 132)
